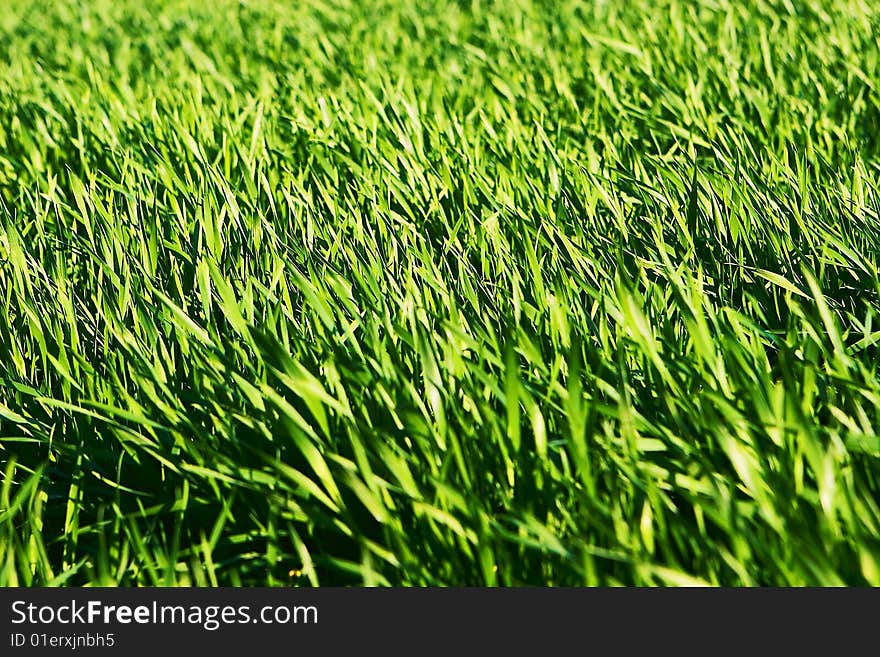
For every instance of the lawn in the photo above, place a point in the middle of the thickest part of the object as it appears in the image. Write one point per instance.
(413, 292)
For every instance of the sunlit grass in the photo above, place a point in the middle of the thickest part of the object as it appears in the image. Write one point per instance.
(406, 292)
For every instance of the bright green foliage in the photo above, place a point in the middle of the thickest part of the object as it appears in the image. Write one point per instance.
(420, 292)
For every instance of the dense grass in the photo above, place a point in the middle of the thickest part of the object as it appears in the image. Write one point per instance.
(413, 292)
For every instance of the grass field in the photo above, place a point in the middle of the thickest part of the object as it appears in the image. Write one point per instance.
(416, 292)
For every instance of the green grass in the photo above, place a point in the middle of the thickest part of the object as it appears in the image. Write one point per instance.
(416, 293)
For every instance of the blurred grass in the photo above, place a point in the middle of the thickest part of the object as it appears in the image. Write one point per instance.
(429, 293)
